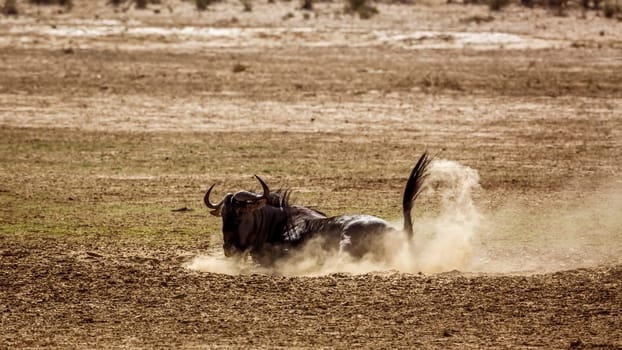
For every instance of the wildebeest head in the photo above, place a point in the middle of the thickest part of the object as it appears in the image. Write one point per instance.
(240, 216)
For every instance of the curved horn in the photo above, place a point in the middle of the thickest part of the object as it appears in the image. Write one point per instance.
(209, 204)
(266, 189)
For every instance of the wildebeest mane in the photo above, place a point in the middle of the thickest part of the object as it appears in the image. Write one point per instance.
(281, 198)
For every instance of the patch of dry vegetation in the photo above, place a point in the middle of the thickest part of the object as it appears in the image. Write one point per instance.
(10, 8)
(612, 9)
(362, 8)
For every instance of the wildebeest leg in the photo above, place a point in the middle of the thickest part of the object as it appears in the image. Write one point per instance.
(268, 254)
(344, 242)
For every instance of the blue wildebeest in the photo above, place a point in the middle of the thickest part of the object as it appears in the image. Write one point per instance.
(268, 227)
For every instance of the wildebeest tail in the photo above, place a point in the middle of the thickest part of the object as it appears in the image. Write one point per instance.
(412, 190)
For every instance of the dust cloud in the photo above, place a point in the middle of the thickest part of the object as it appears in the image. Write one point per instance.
(580, 227)
(530, 235)
(218, 264)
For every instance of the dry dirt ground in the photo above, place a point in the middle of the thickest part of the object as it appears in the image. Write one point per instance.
(112, 119)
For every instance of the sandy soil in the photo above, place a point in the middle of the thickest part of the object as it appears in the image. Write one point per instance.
(111, 119)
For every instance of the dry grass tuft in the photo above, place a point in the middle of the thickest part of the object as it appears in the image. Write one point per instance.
(361, 7)
(10, 8)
